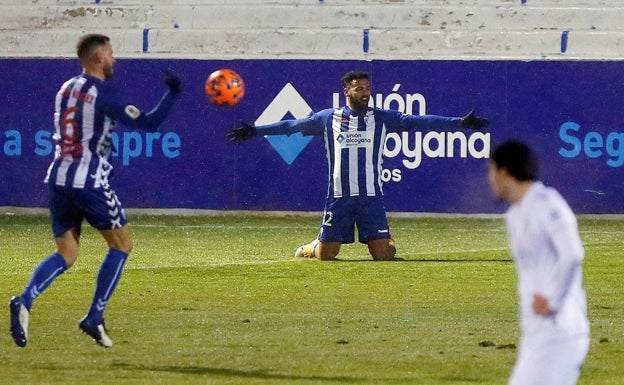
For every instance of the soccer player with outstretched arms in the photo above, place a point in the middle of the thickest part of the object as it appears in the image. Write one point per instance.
(87, 107)
(355, 136)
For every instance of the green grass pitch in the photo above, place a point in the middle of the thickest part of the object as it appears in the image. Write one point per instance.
(222, 300)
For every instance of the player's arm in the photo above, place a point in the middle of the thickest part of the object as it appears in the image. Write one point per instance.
(132, 116)
(563, 232)
(440, 123)
(312, 125)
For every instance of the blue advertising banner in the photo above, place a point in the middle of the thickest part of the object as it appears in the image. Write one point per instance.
(568, 111)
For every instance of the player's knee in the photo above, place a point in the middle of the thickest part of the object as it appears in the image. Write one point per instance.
(327, 256)
(382, 250)
(327, 251)
(118, 239)
(388, 255)
(121, 244)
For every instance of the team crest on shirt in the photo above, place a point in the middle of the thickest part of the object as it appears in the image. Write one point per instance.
(132, 111)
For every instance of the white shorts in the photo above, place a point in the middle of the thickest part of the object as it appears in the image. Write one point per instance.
(549, 361)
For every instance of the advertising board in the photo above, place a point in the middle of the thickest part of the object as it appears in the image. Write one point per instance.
(569, 111)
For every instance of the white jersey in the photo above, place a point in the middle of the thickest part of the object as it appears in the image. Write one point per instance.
(548, 253)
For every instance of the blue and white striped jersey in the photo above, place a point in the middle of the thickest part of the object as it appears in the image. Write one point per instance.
(85, 113)
(355, 142)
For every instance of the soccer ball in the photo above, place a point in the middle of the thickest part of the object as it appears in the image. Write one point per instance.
(225, 87)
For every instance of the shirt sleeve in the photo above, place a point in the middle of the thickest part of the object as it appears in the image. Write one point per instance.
(407, 122)
(309, 126)
(118, 109)
(562, 227)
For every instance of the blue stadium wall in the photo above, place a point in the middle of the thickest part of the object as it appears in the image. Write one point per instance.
(569, 111)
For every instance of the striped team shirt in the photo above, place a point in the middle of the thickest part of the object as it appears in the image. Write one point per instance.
(86, 110)
(354, 143)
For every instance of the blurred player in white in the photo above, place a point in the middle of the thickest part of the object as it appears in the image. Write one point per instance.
(548, 254)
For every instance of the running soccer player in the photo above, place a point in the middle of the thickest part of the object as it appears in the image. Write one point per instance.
(86, 111)
(355, 136)
(548, 254)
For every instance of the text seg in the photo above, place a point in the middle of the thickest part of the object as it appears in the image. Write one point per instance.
(593, 144)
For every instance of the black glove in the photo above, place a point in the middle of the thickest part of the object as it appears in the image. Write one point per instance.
(474, 122)
(173, 81)
(246, 131)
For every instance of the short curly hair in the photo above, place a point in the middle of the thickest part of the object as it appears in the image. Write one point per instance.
(353, 75)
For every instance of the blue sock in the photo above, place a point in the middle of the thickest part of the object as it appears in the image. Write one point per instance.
(44, 274)
(107, 280)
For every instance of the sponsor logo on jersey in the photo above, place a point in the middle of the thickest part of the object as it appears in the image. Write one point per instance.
(355, 139)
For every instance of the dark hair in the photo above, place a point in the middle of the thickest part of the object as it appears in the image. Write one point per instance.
(352, 75)
(517, 158)
(86, 44)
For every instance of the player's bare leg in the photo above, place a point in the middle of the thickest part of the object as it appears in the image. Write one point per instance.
(324, 251)
(327, 251)
(118, 239)
(67, 244)
(382, 249)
